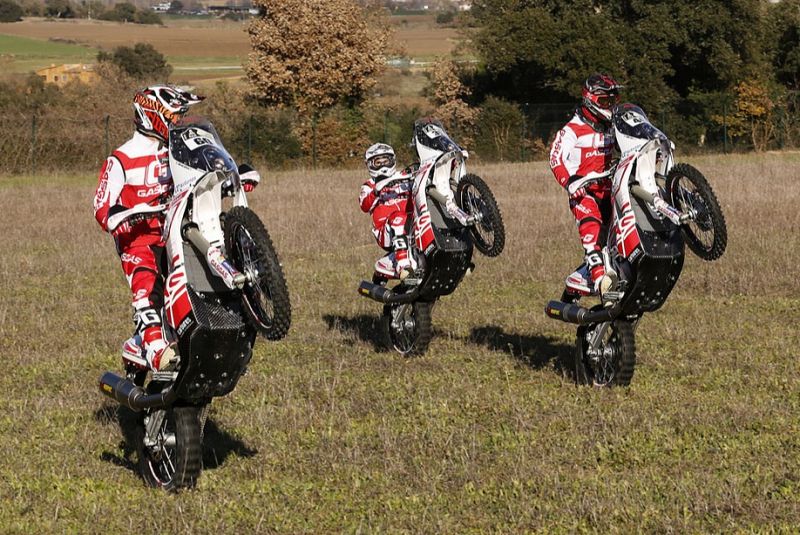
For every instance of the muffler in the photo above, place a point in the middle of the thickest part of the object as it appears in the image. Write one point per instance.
(135, 398)
(384, 295)
(572, 313)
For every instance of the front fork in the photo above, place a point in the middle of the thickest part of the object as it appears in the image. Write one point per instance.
(219, 264)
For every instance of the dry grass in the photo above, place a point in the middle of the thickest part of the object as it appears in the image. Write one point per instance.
(329, 434)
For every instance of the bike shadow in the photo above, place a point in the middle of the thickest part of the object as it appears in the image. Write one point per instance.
(536, 352)
(366, 328)
(218, 444)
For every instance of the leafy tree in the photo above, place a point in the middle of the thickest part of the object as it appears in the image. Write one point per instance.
(145, 16)
(449, 96)
(664, 52)
(176, 6)
(142, 62)
(10, 11)
(313, 53)
(753, 114)
(122, 12)
(500, 126)
(60, 9)
(783, 41)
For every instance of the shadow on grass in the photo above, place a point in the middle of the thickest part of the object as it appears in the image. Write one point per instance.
(534, 351)
(218, 444)
(366, 328)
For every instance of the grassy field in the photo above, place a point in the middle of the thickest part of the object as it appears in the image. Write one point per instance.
(23, 54)
(331, 433)
(197, 48)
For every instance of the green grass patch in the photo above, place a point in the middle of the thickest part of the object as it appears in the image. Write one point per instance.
(27, 54)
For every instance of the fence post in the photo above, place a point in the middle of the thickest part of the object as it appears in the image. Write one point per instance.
(250, 139)
(386, 125)
(108, 145)
(33, 145)
(524, 139)
(314, 140)
(725, 127)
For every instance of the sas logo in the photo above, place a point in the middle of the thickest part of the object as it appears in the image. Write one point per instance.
(130, 259)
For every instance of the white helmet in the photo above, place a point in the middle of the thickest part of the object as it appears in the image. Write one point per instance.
(380, 160)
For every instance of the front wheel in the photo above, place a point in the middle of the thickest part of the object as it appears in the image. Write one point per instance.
(408, 327)
(475, 198)
(612, 362)
(170, 457)
(705, 232)
(265, 295)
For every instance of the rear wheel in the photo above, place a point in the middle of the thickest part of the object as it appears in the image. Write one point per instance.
(172, 458)
(408, 327)
(265, 295)
(475, 198)
(706, 233)
(612, 363)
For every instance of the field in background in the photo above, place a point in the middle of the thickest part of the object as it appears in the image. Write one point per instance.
(330, 433)
(197, 48)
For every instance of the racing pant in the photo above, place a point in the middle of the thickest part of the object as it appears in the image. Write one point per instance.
(144, 263)
(592, 212)
(389, 224)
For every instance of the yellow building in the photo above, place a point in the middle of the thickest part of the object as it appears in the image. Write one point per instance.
(61, 75)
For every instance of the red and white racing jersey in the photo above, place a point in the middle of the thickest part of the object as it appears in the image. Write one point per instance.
(135, 173)
(579, 149)
(396, 192)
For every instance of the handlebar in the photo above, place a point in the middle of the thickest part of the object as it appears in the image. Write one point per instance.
(587, 180)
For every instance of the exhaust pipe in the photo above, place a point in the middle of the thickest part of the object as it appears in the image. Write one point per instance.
(571, 313)
(384, 295)
(126, 393)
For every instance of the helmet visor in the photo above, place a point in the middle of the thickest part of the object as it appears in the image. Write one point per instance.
(380, 161)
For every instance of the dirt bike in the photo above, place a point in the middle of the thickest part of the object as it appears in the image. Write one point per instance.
(443, 238)
(223, 286)
(658, 207)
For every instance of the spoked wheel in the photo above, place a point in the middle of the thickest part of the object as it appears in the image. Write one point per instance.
(612, 363)
(408, 327)
(171, 459)
(475, 198)
(706, 233)
(265, 295)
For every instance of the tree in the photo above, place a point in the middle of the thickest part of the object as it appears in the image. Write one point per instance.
(753, 115)
(10, 11)
(783, 42)
(314, 54)
(663, 52)
(448, 95)
(142, 62)
(60, 9)
(500, 134)
(122, 12)
(145, 16)
(176, 6)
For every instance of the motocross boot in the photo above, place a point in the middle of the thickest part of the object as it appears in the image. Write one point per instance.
(147, 348)
(590, 278)
(398, 264)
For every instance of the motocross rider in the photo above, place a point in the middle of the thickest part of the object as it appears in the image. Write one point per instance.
(581, 149)
(386, 196)
(138, 173)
